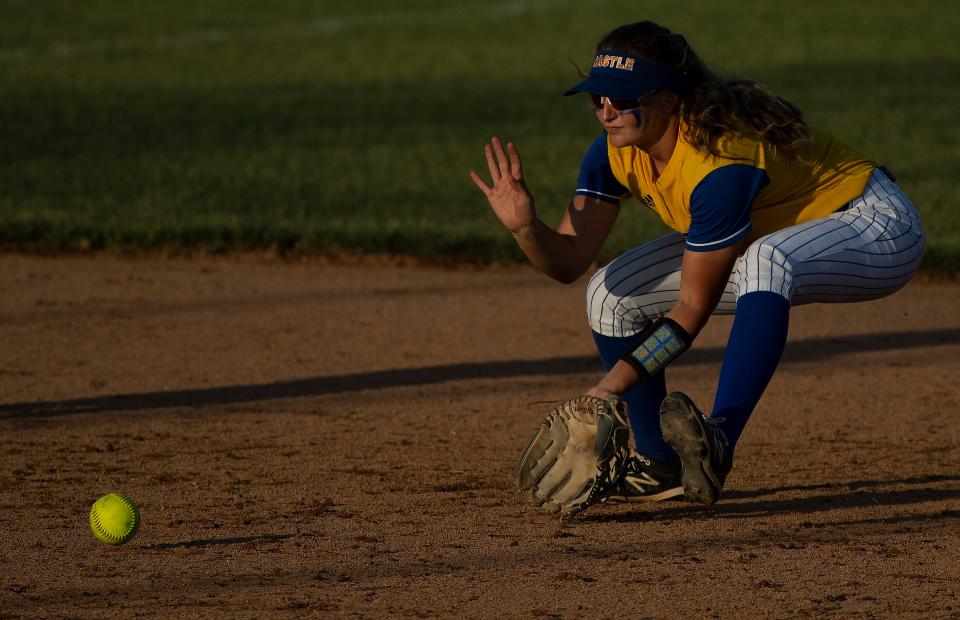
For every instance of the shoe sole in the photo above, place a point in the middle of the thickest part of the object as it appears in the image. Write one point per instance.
(657, 497)
(682, 428)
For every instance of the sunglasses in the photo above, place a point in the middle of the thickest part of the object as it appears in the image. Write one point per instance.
(620, 105)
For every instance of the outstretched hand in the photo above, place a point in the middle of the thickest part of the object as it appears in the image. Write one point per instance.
(509, 197)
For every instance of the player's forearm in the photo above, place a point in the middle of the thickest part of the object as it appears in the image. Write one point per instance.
(691, 317)
(703, 278)
(551, 252)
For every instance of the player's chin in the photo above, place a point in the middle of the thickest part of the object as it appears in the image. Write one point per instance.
(619, 139)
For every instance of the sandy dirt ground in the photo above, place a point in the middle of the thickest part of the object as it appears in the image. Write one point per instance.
(306, 439)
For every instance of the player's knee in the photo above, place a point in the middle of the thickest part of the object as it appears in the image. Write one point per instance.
(597, 296)
(764, 267)
(609, 312)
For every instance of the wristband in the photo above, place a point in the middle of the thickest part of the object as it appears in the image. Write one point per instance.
(659, 344)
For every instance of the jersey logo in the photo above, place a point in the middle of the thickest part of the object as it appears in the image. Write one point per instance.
(647, 200)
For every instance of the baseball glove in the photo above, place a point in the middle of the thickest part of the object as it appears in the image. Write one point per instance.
(576, 455)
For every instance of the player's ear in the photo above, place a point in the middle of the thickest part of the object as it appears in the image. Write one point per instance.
(669, 100)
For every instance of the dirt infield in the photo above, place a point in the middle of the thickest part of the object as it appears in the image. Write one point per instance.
(308, 439)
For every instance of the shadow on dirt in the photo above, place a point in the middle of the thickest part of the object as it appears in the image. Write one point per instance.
(215, 542)
(824, 486)
(797, 352)
(837, 496)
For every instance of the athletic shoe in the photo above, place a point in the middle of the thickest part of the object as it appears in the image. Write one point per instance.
(646, 480)
(702, 445)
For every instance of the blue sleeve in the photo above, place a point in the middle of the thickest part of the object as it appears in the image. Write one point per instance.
(720, 206)
(596, 178)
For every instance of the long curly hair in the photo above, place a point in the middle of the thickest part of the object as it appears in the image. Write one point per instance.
(711, 106)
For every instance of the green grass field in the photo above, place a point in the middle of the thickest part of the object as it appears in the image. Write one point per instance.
(225, 125)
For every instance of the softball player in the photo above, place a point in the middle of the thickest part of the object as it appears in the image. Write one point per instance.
(769, 213)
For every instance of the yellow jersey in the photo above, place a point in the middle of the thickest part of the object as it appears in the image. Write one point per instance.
(749, 190)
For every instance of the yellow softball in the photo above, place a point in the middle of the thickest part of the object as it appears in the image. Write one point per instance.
(114, 519)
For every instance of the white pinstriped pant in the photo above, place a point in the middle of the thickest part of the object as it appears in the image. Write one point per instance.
(866, 251)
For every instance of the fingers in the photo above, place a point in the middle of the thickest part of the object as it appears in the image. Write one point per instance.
(500, 164)
(502, 160)
(492, 164)
(515, 166)
(479, 183)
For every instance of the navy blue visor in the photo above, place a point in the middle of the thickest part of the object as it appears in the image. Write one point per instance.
(617, 75)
